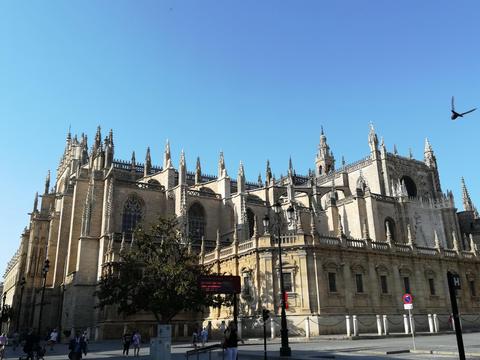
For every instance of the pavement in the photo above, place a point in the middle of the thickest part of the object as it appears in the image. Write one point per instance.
(318, 348)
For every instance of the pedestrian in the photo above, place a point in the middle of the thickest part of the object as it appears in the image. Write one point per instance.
(137, 340)
(15, 340)
(127, 340)
(204, 336)
(77, 347)
(53, 339)
(231, 341)
(195, 337)
(3, 344)
(31, 344)
(222, 328)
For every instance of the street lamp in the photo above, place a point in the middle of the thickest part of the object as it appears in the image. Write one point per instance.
(46, 266)
(277, 208)
(22, 287)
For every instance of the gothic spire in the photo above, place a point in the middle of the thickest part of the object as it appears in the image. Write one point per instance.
(268, 174)
(167, 159)
(259, 180)
(241, 179)
(395, 151)
(98, 138)
(148, 163)
(222, 172)
(35, 202)
(47, 183)
(467, 202)
(110, 137)
(428, 155)
(182, 171)
(198, 172)
(372, 139)
(133, 162)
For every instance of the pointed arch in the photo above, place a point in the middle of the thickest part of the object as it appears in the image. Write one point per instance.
(132, 215)
(196, 222)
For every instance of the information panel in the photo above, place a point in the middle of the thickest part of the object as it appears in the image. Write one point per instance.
(218, 284)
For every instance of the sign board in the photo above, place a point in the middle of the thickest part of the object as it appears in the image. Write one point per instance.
(219, 284)
(408, 306)
(407, 299)
(456, 281)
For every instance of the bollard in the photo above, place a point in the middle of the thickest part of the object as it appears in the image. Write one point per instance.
(185, 330)
(349, 329)
(272, 328)
(450, 320)
(405, 323)
(239, 327)
(379, 324)
(307, 327)
(430, 323)
(436, 325)
(385, 324)
(355, 325)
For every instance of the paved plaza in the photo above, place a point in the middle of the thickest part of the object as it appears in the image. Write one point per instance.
(443, 346)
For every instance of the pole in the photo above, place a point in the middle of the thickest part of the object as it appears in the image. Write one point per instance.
(17, 325)
(456, 319)
(264, 339)
(41, 304)
(285, 349)
(412, 328)
(235, 309)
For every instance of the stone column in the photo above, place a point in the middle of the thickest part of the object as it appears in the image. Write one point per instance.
(307, 327)
(379, 324)
(430, 323)
(355, 325)
(348, 325)
(405, 324)
(385, 324)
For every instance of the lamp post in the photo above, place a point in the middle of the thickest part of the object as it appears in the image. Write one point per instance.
(46, 266)
(277, 208)
(22, 287)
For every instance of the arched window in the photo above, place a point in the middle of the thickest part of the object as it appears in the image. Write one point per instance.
(196, 223)
(132, 214)
(410, 186)
(390, 225)
(250, 222)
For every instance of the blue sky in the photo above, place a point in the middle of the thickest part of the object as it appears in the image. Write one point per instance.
(255, 79)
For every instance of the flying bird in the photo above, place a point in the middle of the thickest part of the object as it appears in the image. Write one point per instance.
(456, 114)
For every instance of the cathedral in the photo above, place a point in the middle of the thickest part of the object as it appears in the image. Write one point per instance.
(354, 237)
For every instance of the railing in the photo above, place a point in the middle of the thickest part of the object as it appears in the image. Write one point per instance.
(226, 251)
(287, 239)
(403, 248)
(328, 240)
(427, 251)
(197, 352)
(379, 245)
(209, 257)
(244, 246)
(356, 243)
(468, 255)
(449, 253)
(207, 194)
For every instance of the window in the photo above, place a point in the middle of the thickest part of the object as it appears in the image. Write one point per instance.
(287, 282)
(359, 281)
(410, 186)
(132, 214)
(332, 282)
(390, 227)
(383, 284)
(471, 283)
(431, 283)
(196, 223)
(251, 222)
(406, 284)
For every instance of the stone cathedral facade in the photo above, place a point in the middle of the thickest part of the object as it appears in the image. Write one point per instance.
(360, 235)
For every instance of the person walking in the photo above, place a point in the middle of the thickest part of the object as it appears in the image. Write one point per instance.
(3, 344)
(204, 336)
(31, 344)
(231, 341)
(127, 340)
(77, 347)
(137, 340)
(195, 337)
(53, 339)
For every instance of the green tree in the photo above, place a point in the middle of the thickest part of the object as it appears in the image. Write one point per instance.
(157, 274)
